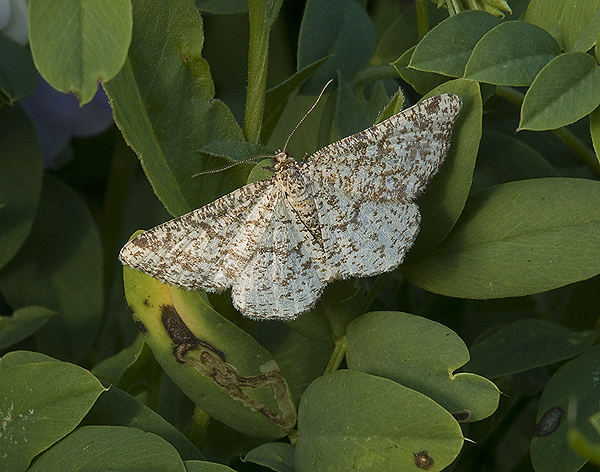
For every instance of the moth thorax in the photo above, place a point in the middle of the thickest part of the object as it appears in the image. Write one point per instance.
(281, 160)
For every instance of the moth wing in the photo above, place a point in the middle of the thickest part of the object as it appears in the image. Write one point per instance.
(208, 248)
(394, 159)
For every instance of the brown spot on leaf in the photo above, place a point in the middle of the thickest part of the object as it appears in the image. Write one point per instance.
(141, 326)
(423, 460)
(463, 415)
(181, 335)
(176, 328)
(549, 422)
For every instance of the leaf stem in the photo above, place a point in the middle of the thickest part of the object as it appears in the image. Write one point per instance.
(563, 133)
(258, 56)
(338, 354)
(422, 19)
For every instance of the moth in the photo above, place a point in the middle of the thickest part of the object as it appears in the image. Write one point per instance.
(348, 210)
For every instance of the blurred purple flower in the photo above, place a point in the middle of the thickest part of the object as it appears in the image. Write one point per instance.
(57, 117)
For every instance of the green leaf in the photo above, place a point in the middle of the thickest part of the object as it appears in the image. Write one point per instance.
(301, 359)
(394, 105)
(211, 359)
(114, 448)
(18, 76)
(76, 43)
(421, 81)
(112, 369)
(422, 355)
(277, 97)
(503, 158)
(276, 456)
(236, 150)
(350, 420)
(22, 323)
(39, 404)
(595, 131)
(515, 239)
(60, 267)
(442, 202)
(564, 91)
(14, 358)
(117, 408)
(574, 24)
(401, 35)
(201, 466)
(353, 112)
(341, 302)
(526, 344)
(338, 28)
(167, 129)
(572, 393)
(512, 53)
(447, 47)
(222, 7)
(21, 168)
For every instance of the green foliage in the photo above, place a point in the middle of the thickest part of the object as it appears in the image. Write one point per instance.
(384, 374)
(76, 43)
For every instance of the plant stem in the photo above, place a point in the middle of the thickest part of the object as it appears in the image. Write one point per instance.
(422, 20)
(338, 354)
(562, 133)
(258, 55)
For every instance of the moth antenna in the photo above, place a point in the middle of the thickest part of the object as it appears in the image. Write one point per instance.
(255, 158)
(306, 114)
(228, 166)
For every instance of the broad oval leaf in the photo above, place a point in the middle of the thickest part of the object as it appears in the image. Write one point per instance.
(39, 404)
(526, 344)
(564, 91)
(21, 168)
(60, 267)
(504, 158)
(575, 24)
(447, 47)
(515, 239)
(210, 358)
(423, 355)
(350, 420)
(167, 130)
(114, 448)
(512, 53)
(117, 408)
(569, 399)
(76, 43)
(421, 81)
(276, 456)
(338, 28)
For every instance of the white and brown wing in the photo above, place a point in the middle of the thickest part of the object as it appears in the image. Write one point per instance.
(363, 237)
(208, 248)
(392, 160)
(287, 273)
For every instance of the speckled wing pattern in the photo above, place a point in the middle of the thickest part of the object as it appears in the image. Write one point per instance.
(346, 211)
